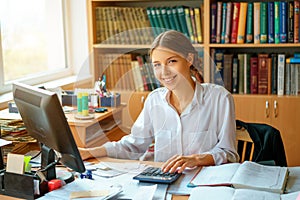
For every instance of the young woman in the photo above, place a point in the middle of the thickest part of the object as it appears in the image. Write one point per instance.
(191, 123)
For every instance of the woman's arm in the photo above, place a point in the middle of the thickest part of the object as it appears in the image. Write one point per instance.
(94, 152)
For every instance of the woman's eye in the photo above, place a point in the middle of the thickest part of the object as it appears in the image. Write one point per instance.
(172, 61)
(156, 65)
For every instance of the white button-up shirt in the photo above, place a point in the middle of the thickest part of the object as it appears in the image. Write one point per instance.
(206, 126)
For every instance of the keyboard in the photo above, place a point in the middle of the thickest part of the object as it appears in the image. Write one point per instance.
(155, 175)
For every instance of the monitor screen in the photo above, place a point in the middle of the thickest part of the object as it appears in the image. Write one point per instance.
(45, 120)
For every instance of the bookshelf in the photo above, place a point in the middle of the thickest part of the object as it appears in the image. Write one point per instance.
(249, 107)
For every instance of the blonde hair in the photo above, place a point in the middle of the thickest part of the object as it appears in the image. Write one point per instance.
(178, 42)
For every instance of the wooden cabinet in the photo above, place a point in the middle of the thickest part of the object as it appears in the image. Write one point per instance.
(281, 112)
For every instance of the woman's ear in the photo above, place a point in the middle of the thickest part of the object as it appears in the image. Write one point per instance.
(190, 58)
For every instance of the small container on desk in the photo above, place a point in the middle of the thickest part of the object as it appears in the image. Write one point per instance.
(111, 101)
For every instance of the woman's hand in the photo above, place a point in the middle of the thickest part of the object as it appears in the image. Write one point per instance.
(191, 161)
(87, 153)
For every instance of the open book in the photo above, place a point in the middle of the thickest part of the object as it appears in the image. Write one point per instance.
(248, 175)
(229, 193)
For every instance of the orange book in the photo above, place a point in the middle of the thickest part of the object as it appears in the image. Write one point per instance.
(235, 22)
(242, 23)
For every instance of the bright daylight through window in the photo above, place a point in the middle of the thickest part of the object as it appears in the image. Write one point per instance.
(32, 40)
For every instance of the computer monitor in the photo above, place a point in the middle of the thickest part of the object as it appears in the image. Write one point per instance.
(45, 120)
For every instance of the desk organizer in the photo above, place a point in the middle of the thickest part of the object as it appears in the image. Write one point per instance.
(69, 99)
(111, 101)
(21, 185)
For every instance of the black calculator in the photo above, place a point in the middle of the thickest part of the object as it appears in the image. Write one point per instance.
(155, 175)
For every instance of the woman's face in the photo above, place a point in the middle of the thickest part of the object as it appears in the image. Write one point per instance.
(170, 68)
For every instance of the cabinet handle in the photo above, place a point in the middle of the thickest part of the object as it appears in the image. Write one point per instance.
(275, 109)
(267, 109)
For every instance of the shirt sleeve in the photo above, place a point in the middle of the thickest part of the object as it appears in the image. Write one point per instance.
(134, 145)
(225, 150)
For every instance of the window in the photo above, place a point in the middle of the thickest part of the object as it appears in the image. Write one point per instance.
(32, 41)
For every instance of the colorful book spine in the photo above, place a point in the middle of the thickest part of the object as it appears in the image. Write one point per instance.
(242, 23)
(283, 21)
(223, 19)
(280, 75)
(274, 60)
(193, 22)
(235, 75)
(290, 22)
(263, 73)
(296, 20)
(254, 75)
(276, 22)
(263, 22)
(219, 67)
(256, 22)
(249, 26)
(293, 60)
(198, 24)
(188, 23)
(228, 22)
(219, 21)
(235, 22)
(213, 21)
(271, 38)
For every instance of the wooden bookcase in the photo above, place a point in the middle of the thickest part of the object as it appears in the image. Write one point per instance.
(249, 108)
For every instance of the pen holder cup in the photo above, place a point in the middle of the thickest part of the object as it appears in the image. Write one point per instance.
(111, 101)
(22, 185)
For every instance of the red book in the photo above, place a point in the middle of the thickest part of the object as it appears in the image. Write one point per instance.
(235, 22)
(254, 75)
(263, 73)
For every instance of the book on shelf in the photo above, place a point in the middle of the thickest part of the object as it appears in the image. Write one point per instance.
(246, 175)
(287, 78)
(271, 25)
(235, 22)
(198, 23)
(165, 18)
(263, 22)
(256, 22)
(227, 71)
(296, 20)
(219, 67)
(254, 75)
(276, 22)
(283, 21)
(182, 20)
(280, 74)
(249, 23)
(213, 23)
(242, 23)
(235, 75)
(219, 21)
(229, 193)
(290, 22)
(189, 25)
(228, 22)
(274, 60)
(241, 74)
(223, 22)
(263, 73)
(193, 23)
(247, 75)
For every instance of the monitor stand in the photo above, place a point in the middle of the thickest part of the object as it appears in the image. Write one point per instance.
(48, 162)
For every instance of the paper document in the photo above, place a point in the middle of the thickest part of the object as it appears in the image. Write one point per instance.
(4, 142)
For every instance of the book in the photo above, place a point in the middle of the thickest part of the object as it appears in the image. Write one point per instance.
(189, 25)
(223, 23)
(274, 72)
(290, 22)
(182, 20)
(254, 75)
(249, 25)
(228, 22)
(235, 22)
(283, 10)
(246, 175)
(276, 22)
(247, 73)
(198, 23)
(280, 74)
(271, 22)
(263, 73)
(256, 22)
(219, 21)
(193, 22)
(227, 72)
(165, 19)
(242, 23)
(229, 193)
(241, 74)
(235, 75)
(263, 22)
(296, 20)
(213, 23)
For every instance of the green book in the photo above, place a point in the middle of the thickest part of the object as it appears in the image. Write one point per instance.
(182, 21)
(176, 19)
(152, 22)
(170, 18)
(263, 22)
(249, 25)
(164, 15)
(159, 19)
(276, 22)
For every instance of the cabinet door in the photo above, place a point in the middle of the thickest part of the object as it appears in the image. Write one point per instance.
(285, 117)
(135, 103)
(253, 108)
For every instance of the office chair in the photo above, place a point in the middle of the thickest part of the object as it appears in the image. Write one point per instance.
(268, 145)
